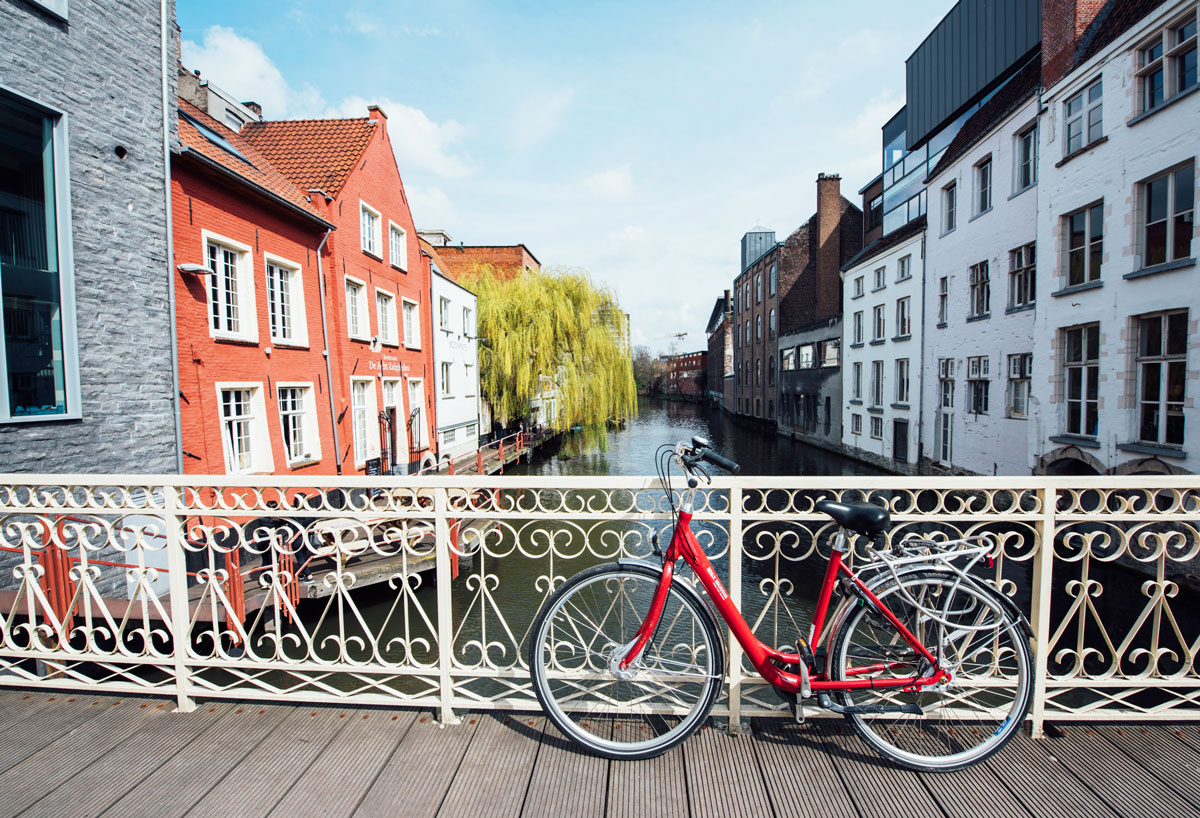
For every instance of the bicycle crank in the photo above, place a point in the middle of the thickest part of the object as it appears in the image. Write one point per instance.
(911, 708)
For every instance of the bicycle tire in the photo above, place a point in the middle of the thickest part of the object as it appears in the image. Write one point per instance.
(670, 692)
(973, 716)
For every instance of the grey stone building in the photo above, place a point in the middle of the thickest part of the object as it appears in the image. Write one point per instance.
(87, 115)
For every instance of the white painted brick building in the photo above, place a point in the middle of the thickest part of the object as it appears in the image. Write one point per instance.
(1116, 345)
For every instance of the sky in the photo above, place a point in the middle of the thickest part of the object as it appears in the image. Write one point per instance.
(636, 140)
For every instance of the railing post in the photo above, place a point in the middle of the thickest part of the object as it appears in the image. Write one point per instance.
(735, 596)
(180, 613)
(445, 629)
(1043, 572)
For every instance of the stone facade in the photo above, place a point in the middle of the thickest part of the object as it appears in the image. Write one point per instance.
(101, 71)
(720, 349)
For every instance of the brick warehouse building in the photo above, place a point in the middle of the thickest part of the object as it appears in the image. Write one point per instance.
(720, 352)
(687, 374)
(254, 388)
(378, 314)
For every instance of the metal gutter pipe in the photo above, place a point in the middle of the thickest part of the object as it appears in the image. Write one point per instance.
(166, 120)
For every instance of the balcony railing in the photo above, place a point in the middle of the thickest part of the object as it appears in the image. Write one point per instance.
(422, 591)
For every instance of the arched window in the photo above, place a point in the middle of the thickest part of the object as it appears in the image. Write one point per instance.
(771, 324)
(758, 328)
(758, 372)
(772, 281)
(771, 372)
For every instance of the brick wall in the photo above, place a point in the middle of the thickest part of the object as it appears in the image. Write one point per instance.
(1063, 22)
(104, 70)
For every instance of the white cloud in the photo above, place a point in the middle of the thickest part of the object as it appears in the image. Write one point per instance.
(629, 232)
(859, 141)
(614, 183)
(418, 141)
(432, 208)
(239, 66)
(537, 117)
(361, 22)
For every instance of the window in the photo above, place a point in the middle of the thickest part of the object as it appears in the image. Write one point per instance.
(857, 379)
(943, 299)
(771, 324)
(385, 315)
(771, 281)
(806, 359)
(983, 186)
(1020, 368)
(1026, 158)
(877, 427)
(949, 206)
(285, 304)
(397, 246)
(469, 380)
(978, 385)
(412, 325)
(243, 429)
(758, 372)
(880, 279)
(875, 213)
(787, 359)
(858, 327)
(1084, 117)
(758, 328)
(39, 372)
(468, 322)
(771, 371)
(369, 234)
(747, 341)
(946, 382)
(1021, 276)
(297, 419)
(364, 420)
(858, 286)
(1162, 377)
(904, 268)
(356, 309)
(446, 385)
(230, 290)
(981, 290)
(902, 380)
(757, 288)
(1167, 64)
(1085, 244)
(746, 295)
(945, 427)
(903, 318)
(1082, 369)
(878, 323)
(856, 424)
(831, 352)
(876, 384)
(444, 313)
(1168, 204)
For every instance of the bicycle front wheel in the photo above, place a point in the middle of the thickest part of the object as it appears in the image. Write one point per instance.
(578, 639)
(974, 636)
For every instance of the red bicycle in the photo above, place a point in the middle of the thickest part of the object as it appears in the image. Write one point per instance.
(930, 664)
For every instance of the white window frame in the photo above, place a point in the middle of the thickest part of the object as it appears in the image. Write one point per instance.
(398, 260)
(360, 309)
(1020, 371)
(904, 268)
(416, 386)
(857, 380)
(978, 384)
(469, 379)
(903, 371)
(943, 300)
(259, 438)
(1163, 403)
(1089, 376)
(64, 247)
(1089, 116)
(1185, 217)
(444, 305)
(858, 327)
(1172, 50)
(858, 286)
(984, 179)
(876, 427)
(364, 422)
(880, 278)
(247, 316)
(1092, 245)
(468, 316)
(445, 375)
(310, 435)
(980, 291)
(1022, 276)
(371, 241)
(297, 316)
(949, 207)
(856, 424)
(413, 342)
(904, 317)
(878, 323)
(876, 384)
(386, 318)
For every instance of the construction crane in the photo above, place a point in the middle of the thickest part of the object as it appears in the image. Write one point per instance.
(677, 337)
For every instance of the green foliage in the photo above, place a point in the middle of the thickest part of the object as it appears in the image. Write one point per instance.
(552, 329)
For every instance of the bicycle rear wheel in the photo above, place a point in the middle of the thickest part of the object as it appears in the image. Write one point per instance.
(981, 643)
(655, 704)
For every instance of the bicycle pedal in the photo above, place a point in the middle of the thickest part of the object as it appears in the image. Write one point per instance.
(804, 651)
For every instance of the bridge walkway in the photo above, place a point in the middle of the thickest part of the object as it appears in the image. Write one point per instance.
(83, 755)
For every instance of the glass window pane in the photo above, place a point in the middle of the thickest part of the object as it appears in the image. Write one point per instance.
(1095, 123)
(1150, 337)
(29, 275)
(1185, 31)
(1154, 89)
(1156, 199)
(1185, 188)
(1185, 71)
(1074, 105)
(1156, 244)
(1151, 376)
(1074, 345)
(1097, 218)
(1177, 333)
(1095, 92)
(1093, 342)
(1075, 383)
(1077, 229)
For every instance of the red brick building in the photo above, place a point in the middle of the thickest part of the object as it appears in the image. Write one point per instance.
(377, 315)
(254, 396)
(687, 374)
(460, 259)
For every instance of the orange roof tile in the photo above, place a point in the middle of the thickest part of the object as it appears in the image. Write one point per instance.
(313, 153)
(255, 168)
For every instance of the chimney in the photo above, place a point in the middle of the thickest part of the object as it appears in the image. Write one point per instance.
(256, 108)
(829, 244)
(375, 112)
(191, 88)
(1063, 23)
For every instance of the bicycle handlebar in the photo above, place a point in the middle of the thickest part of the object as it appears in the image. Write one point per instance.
(717, 460)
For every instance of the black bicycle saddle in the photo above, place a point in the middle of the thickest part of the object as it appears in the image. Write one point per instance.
(864, 518)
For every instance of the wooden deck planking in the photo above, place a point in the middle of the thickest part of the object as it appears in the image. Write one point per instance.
(723, 776)
(797, 770)
(1174, 762)
(416, 778)
(566, 782)
(1122, 782)
(1043, 784)
(868, 777)
(49, 718)
(51, 765)
(649, 788)
(495, 772)
(270, 770)
(175, 787)
(98, 786)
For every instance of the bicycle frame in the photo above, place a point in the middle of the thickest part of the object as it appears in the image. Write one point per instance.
(766, 660)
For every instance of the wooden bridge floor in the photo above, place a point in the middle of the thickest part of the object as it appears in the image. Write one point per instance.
(80, 755)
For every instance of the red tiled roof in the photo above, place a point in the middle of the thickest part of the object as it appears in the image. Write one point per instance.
(256, 170)
(432, 252)
(313, 153)
(1013, 94)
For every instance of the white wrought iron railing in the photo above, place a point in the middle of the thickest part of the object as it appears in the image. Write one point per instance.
(422, 591)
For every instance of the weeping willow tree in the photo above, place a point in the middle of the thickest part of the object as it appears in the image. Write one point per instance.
(552, 330)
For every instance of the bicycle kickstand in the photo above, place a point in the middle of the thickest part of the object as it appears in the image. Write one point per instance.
(804, 652)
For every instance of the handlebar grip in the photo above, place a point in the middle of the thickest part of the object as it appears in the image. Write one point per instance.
(719, 461)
